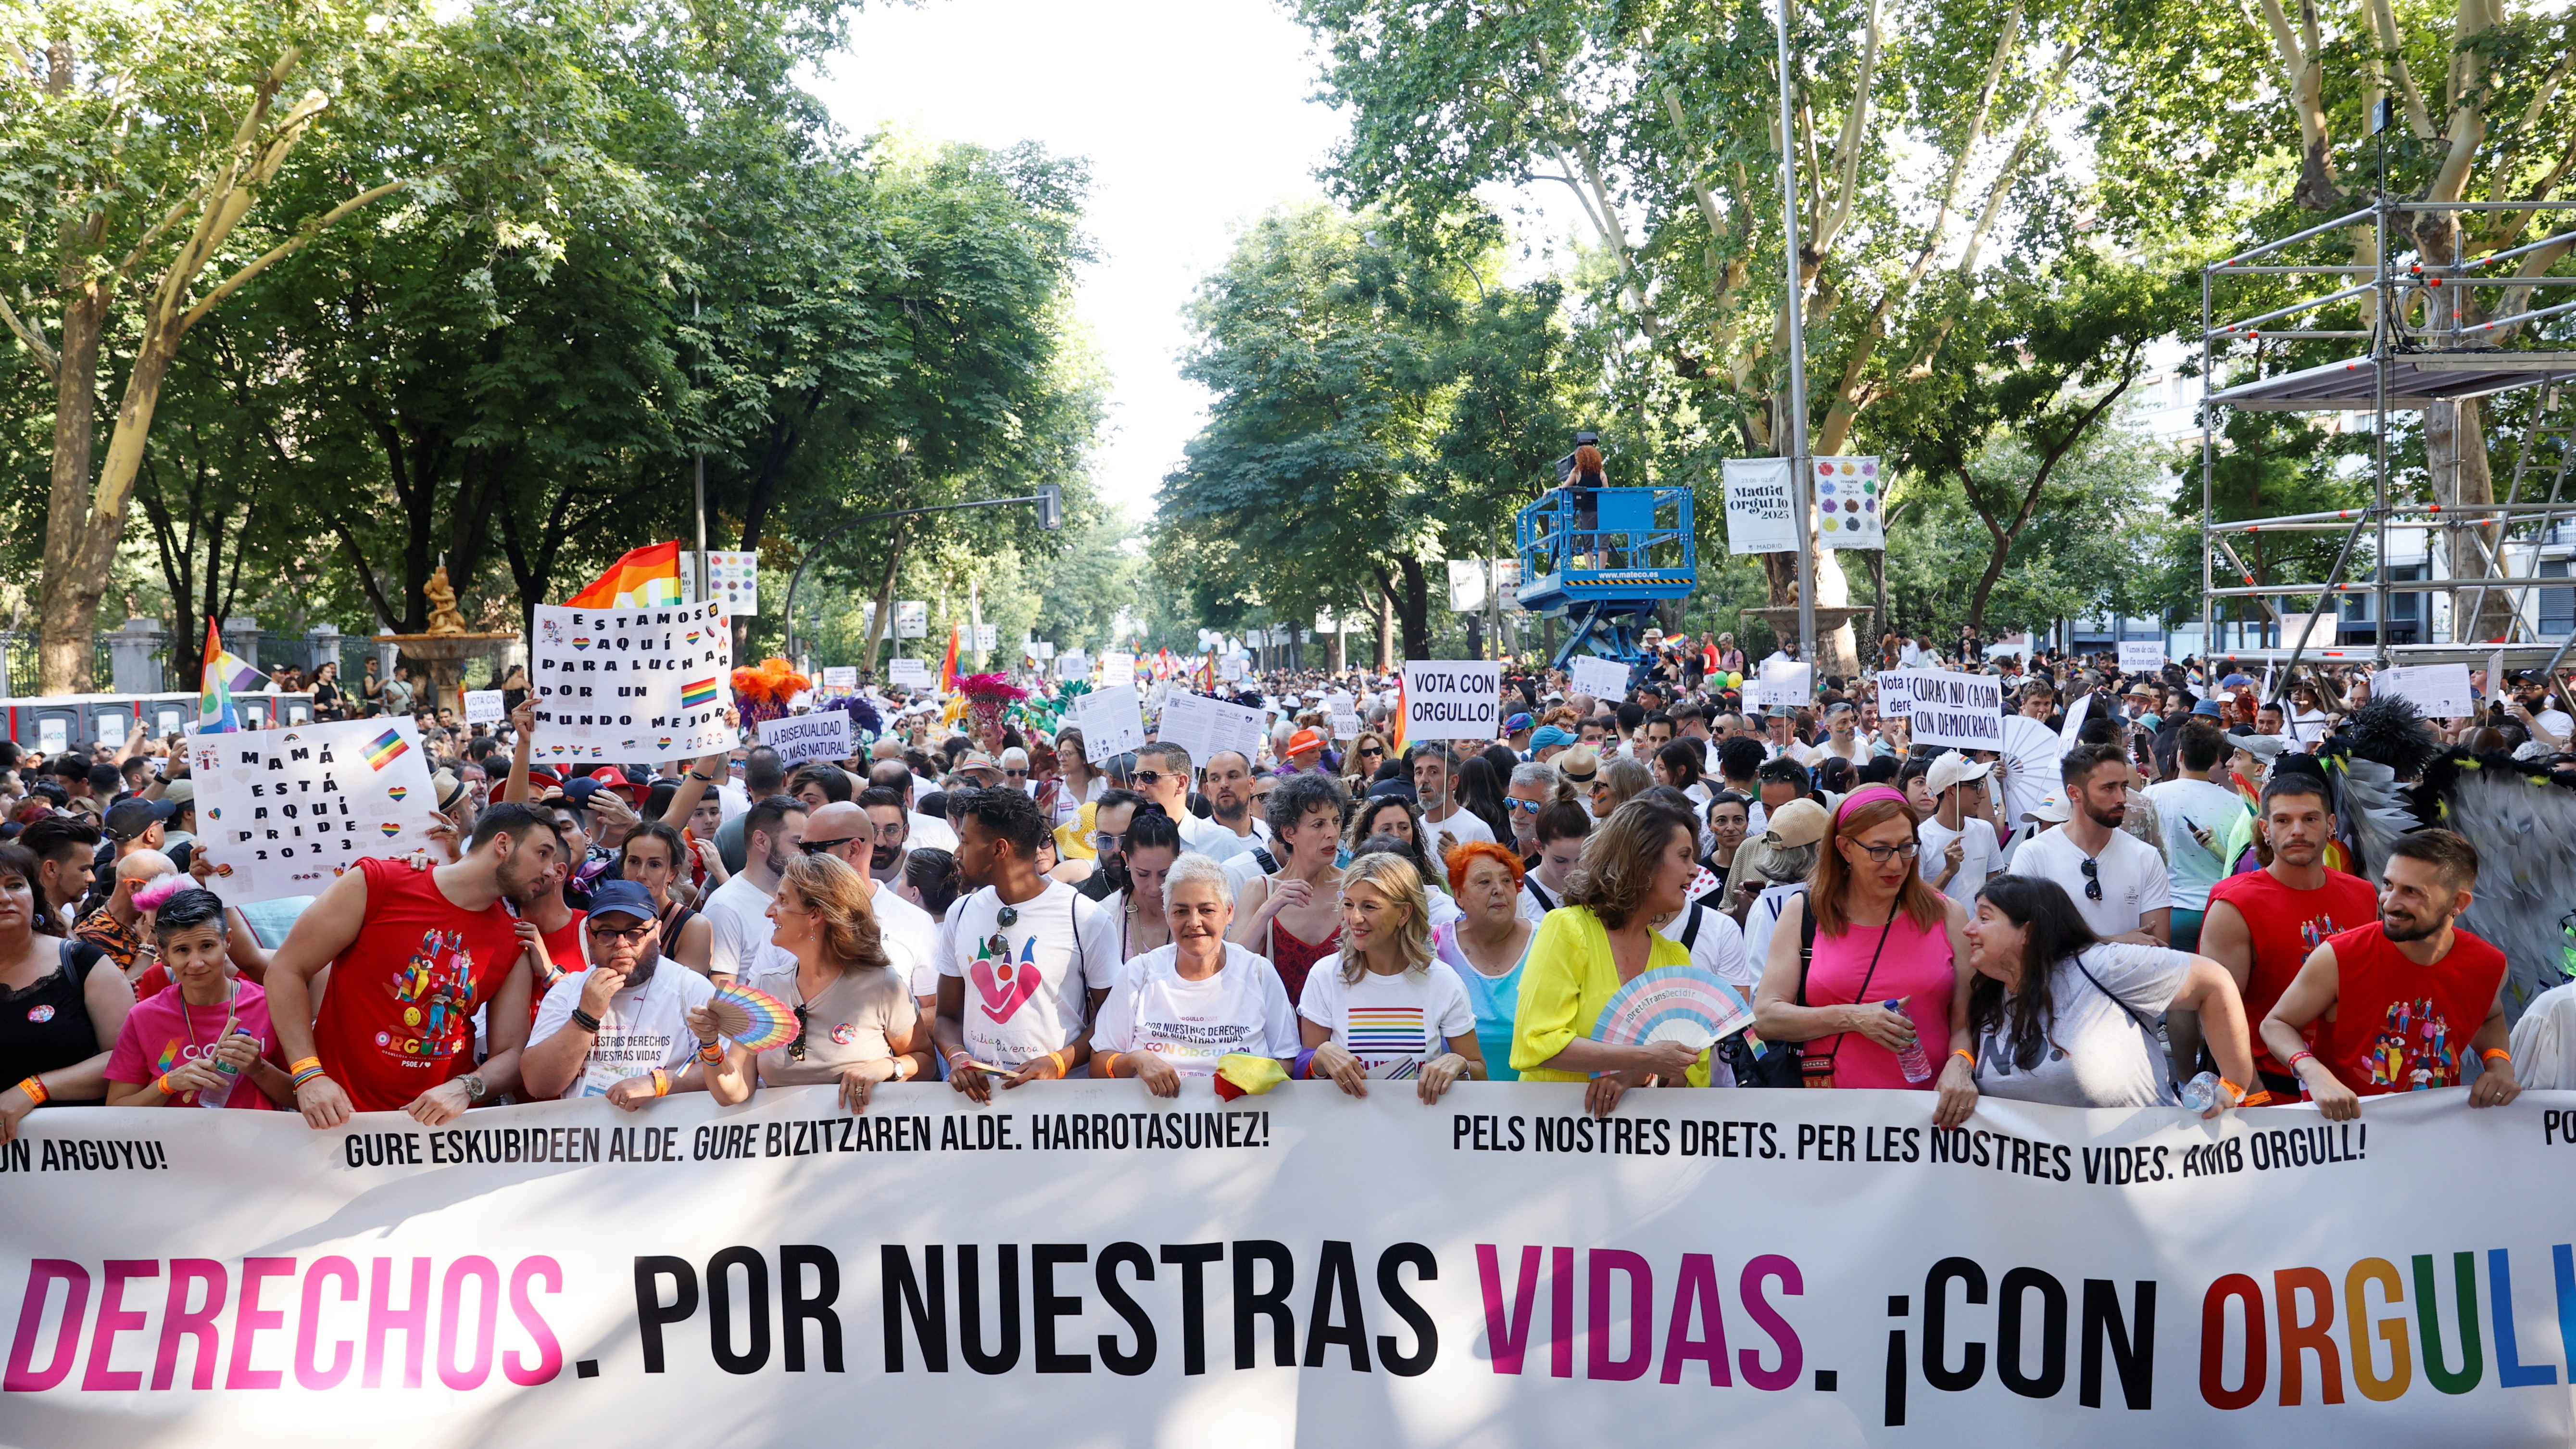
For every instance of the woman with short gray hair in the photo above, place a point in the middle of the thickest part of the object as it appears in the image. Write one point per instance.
(1180, 1008)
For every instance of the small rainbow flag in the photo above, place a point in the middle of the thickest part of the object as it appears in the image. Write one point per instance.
(385, 748)
(697, 693)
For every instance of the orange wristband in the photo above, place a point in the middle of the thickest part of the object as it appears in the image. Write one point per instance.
(1058, 1059)
(1969, 1056)
(300, 1063)
(2491, 1053)
(661, 1082)
(1105, 1064)
(34, 1087)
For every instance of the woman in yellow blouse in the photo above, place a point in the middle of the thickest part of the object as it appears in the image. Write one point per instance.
(1636, 868)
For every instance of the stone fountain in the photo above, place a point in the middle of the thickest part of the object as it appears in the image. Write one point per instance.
(447, 646)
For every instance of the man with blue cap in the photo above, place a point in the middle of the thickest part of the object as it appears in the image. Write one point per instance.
(1547, 742)
(619, 1028)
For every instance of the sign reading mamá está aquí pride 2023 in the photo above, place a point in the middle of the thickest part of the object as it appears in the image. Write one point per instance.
(1499, 1271)
(631, 684)
(283, 812)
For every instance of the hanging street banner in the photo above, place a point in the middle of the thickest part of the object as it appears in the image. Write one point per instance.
(1959, 711)
(282, 812)
(1702, 1267)
(822, 735)
(1849, 495)
(733, 581)
(911, 618)
(1758, 516)
(1452, 699)
(616, 685)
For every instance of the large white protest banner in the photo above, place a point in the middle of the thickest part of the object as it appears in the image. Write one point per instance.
(1452, 699)
(1498, 1271)
(1112, 721)
(822, 735)
(1961, 711)
(1604, 679)
(281, 812)
(1848, 498)
(631, 684)
(1758, 516)
(1205, 726)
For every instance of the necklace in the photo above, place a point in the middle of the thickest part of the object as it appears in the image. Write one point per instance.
(188, 1017)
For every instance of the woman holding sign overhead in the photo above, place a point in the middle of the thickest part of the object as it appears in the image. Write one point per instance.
(1637, 868)
(1869, 966)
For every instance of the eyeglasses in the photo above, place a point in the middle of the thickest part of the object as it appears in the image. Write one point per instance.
(1106, 841)
(1015, 774)
(1879, 854)
(1149, 777)
(2092, 880)
(796, 1048)
(895, 831)
(817, 847)
(1532, 806)
(610, 933)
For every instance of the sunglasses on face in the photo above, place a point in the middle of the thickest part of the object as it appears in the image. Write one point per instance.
(1366, 751)
(1532, 806)
(1150, 777)
(818, 847)
(1015, 774)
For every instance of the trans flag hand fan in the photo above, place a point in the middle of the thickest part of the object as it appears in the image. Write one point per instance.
(1672, 1003)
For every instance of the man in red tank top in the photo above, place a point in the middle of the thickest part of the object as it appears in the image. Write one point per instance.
(412, 956)
(2263, 925)
(2401, 1005)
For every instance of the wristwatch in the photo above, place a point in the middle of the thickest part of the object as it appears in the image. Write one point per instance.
(475, 1087)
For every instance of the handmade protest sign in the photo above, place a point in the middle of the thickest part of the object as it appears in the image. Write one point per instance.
(283, 812)
(822, 735)
(483, 706)
(840, 676)
(1205, 727)
(1452, 699)
(1117, 666)
(1896, 694)
(1072, 665)
(2440, 690)
(1962, 711)
(1112, 721)
(910, 673)
(1346, 725)
(1604, 679)
(2141, 656)
(1784, 684)
(631, 684)
(1758, 519)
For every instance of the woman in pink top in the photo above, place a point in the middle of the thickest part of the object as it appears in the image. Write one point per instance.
(1882, 935)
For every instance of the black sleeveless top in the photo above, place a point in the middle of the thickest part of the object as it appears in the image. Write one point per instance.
(46, 1027)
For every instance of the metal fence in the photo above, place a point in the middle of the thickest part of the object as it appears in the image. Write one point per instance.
(23, 664)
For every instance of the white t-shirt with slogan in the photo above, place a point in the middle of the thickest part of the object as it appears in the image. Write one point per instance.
(1190, 1024)
(644, 1026)
(1027, 983)
(1393, 1024)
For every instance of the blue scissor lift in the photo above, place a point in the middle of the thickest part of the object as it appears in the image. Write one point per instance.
(1602, 564)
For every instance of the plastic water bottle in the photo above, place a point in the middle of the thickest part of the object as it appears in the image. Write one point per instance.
(218, 1095)
(1916, 1066)
(2201, 1092)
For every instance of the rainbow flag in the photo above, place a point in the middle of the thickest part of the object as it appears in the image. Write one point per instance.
(647, 577)
(698, 692)
(215, 713)
(948, 670)
(385, 748)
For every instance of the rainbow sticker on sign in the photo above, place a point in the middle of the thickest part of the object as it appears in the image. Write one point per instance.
(384, 749)
(700, 692)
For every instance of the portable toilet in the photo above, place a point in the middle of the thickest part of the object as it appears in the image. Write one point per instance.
(49, 725)
(110, 718)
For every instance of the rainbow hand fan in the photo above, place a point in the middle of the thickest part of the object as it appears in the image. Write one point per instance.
(1672, 1003)
(753, 1017)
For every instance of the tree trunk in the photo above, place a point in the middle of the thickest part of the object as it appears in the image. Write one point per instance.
(63, 654)
(1385, 624)
(881, 627)
(2455, 457)
(1414, 607)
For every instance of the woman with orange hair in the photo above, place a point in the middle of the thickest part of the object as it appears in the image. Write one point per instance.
(1869, 967)
(1488, 945)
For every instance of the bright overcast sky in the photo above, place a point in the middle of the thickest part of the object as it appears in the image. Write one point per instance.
(1194, 117)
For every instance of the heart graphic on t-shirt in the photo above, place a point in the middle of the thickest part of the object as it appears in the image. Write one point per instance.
(1005, 989)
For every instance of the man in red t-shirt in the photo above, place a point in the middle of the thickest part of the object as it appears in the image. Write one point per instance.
(412, 956)
(2263, 925)
(2388, 1007)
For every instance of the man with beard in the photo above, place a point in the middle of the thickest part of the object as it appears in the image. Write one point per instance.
(738, 911)
(891, 825)
(1034, 956)
(921, 832)
(413, 955)
(619, 1029)
(1108, 877)
(2263, 925)
(1230, 829)
(2388, 1007)
(2117, 881)
(844, 831)
(1446, 821)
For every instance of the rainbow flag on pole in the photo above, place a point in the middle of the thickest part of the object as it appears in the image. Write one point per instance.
(215, 713)
(647, 577)
(948, 670)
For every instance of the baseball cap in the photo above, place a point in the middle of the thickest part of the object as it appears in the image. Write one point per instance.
(622, 897)
(1304, 741)
(2209, 707)
(1516, 724)
(182, 791)
(609, 777)
(1954, 768)
(1549, 736)
(127, 819)
(2051, 809)
(1800, 822)
(1392, 787)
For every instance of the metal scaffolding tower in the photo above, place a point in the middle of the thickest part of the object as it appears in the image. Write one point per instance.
(2409, 365)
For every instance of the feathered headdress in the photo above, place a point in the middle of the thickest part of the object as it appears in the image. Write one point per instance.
(2520, 817)
(763, 693)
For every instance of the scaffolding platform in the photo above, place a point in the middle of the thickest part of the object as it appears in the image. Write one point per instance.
(1602, 562)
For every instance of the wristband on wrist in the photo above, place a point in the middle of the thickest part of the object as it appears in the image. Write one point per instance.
(1965, 1055)
(1304, 1070)
(2491, 1053)
(711, 1051)
(2298, 1057)
(2233, 1090)
(162, 1085)
(585, 1021)
(1106, 1064)
(661, 1082)
(34, 1087)
(300, 1063)
(308, 1074)
(1058, 1059)
(2260, 1097)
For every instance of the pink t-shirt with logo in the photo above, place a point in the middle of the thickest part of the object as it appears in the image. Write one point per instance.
(165, 1032)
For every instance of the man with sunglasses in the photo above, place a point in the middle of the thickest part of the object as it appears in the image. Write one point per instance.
(845, 831)
(2117, 881)
(1110, 819)
(620, 1029)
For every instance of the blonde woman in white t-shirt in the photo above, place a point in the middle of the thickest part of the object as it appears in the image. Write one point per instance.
(1383, 1006)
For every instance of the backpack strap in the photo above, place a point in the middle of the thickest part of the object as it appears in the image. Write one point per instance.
(1269, 862)
(1690, 925)
(1806, 942)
